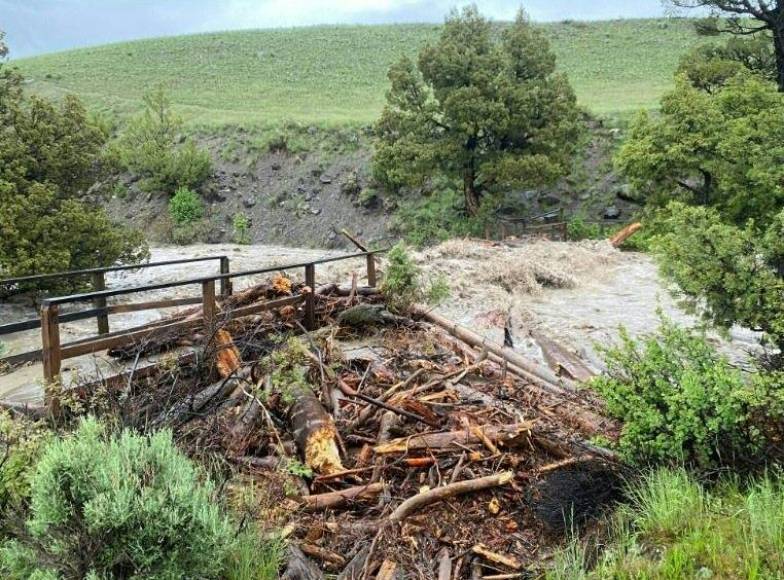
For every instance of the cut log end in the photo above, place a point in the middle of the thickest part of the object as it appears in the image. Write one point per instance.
(321, 451)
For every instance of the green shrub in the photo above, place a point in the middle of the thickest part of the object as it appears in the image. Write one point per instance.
(241, 227)
(152, 148)
(185, 206)
(403, 285)
(20, 443)
(675, 528)
(440, 216)
(119, 506)
(680, 401)
(577, 228)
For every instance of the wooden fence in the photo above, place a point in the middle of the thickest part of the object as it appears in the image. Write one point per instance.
(53, 352)
(100, 311)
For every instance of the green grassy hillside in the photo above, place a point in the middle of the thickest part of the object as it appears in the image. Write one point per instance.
(337, 75)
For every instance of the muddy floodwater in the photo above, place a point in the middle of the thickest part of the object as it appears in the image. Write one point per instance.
(579, 294)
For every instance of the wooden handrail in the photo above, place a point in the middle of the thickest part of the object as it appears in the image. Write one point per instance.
(53, 353)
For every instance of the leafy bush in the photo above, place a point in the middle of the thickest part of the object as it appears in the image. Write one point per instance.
(152, 148)
(680, 401)
(403, 285)
(241, 227)
(119, 506)
(675, 528)
(185, 206)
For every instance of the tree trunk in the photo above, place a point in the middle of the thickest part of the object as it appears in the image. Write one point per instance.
(470, 192)
(778, 44)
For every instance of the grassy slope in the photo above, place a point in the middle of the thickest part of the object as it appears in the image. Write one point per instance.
(337, 75)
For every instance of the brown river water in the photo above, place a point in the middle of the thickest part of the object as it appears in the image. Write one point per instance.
(579, 294)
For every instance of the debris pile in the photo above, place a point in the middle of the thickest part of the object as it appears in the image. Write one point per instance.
(383, 446)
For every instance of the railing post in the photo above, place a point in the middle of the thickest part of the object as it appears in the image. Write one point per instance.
(208, 306)
(310, 298)
(99, 284)
(371, 270)
(50, 339)
(225, 283)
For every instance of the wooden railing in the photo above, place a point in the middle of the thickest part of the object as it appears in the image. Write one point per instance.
(53, 352)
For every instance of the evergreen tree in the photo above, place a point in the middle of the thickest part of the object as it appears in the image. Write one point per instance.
(478, 106)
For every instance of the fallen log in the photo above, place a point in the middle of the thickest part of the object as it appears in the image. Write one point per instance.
(444, 565)
(227, 356)
(327, 556)
(618, 239)
(544, 440)
(588, 421)
(496, 558)
(353, 571)
(299, 566)
(499, 435)
(241, 432)
(388, 420)
(336, 498)
(543, 376)
(561, 360)
(215, 393)
(429, 497)
(314, 432)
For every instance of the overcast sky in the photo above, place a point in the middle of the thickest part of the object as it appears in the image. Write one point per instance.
(37, 26)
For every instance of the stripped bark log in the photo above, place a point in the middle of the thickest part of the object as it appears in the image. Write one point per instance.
(560, 359)
(388, 420)
(421, 500)
(543, 376)
(212, 395)
(618, 239)
(444, 565)
(496, 558)
(499, 435)
(337, 498)
(547, 441)
(314, 432)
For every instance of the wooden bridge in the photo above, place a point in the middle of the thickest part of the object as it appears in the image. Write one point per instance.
(214, 289)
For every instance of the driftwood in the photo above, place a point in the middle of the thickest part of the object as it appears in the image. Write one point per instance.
(299, 566)
(560, 359)
(353, 571)
(496, 558)
(215, 393)
(499, 435)
(327, 556)
(444, 565)
(337, 498)
(552, 444)
(388, 420)
(540, 374)
(618, 239)
(315, 433)
(421, 500)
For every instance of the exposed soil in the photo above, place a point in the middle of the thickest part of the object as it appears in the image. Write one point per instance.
(300, 199)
